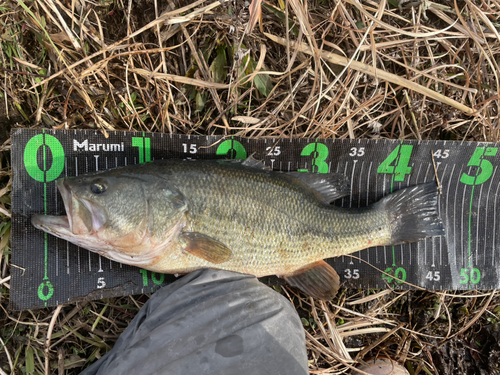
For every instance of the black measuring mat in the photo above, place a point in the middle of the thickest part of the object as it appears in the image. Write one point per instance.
(48, 271)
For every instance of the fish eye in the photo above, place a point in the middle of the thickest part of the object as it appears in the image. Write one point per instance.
(98, 186)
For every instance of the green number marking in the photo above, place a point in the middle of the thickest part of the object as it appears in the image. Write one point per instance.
(465, 275)
(473, 275)
(44, 174)
(157, 278)
(144, 274)
(485, 167)
(232, 149)
(30, 157)
(387, 275)
(483, 173)
(144, 145)
(158, 281)
(319, 153)
(399, 275)
(50, 290)
(400, 156)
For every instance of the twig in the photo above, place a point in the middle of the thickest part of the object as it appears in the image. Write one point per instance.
(49, 336)
(167, 18)
(8, 355)
(381, 74)
(473, 320)
(435, 172)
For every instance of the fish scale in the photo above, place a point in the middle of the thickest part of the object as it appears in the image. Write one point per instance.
(176, 216)
(310, 239)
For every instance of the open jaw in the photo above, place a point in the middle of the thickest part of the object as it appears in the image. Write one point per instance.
(59, 226)
(81, 225)
(67, 197)
(56, 225)
(82, 217)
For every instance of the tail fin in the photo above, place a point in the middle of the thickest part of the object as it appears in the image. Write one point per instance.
(413, 213)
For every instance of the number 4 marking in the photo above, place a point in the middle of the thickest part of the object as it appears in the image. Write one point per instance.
(400, 156)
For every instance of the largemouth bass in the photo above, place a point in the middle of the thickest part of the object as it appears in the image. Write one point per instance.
(177, 216)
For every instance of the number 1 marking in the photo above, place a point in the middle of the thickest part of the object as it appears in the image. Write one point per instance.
(144, 145)
(156, 278)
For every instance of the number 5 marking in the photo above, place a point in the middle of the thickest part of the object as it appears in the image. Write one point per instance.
(485, 167)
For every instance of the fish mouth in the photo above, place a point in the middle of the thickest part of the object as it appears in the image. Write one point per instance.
(66, 195)
(82, 216)
(56, 225)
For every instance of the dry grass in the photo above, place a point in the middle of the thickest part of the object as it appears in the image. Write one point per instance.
(322, 68)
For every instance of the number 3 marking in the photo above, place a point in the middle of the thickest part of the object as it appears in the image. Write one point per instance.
(319, 153)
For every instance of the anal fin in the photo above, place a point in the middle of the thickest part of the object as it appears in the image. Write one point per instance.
(205, 247)
(319, 280)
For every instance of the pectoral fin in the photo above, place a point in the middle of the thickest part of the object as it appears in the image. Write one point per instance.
(205, 247)
(319, 280)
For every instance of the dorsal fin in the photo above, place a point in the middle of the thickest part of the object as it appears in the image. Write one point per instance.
(254, 163)
(330, 187)
(249, 162)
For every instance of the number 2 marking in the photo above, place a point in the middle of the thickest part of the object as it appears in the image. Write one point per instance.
(232, 149)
